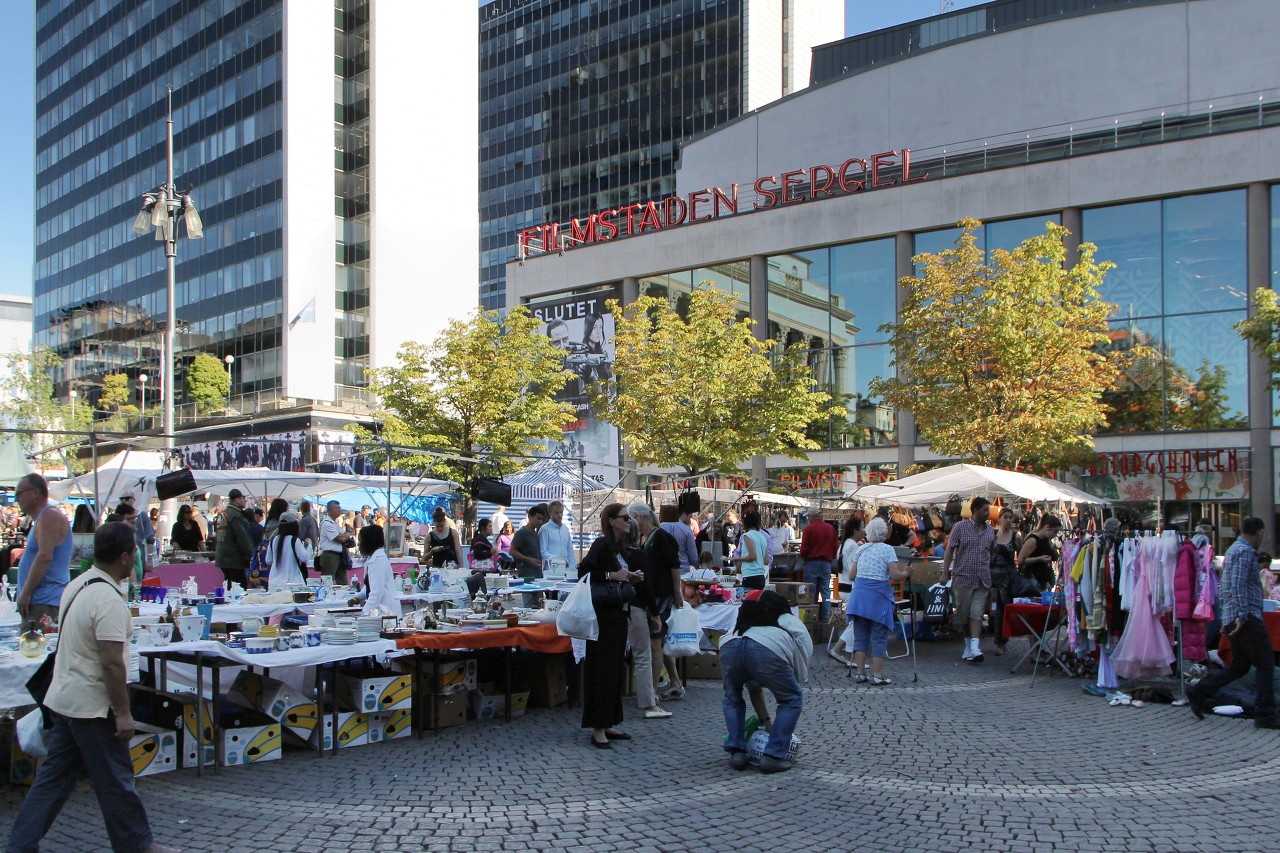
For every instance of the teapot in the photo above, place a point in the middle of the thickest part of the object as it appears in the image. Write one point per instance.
(251, 624)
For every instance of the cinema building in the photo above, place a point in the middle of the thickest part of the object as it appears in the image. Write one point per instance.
(1133, 123)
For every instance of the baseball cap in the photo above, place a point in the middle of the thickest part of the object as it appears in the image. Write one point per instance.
(234, 493)
(288, 518)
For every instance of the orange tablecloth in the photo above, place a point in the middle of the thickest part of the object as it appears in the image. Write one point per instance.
(538, 638)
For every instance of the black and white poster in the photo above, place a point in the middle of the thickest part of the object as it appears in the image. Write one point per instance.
(582, 328)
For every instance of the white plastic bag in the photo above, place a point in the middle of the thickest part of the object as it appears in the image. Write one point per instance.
(31, 735)
(683, 633)
(577, 616)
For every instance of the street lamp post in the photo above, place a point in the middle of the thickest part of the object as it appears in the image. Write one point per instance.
(161, 210)
(142, 379)
(230, 360)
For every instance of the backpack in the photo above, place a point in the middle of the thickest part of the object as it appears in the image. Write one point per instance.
(259, 572)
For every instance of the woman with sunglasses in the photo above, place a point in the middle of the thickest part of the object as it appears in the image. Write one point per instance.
(187, 535)
(605, 665)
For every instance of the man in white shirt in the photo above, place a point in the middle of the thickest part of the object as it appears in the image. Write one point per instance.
(555, 539)
(496, 521)
(88, 702)
(334, 540)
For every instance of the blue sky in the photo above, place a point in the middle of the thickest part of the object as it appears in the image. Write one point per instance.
(17, 146)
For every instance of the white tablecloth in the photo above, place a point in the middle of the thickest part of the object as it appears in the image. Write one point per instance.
(14, 673)
(717, 617)
(309, 656)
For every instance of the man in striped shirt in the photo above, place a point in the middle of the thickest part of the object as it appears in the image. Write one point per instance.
(1241, 601)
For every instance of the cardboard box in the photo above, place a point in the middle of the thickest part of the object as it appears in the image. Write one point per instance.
(545, 676)
(702, 666)
(808, 613)
(21, 767)
(795, 593)
(289, 707)
(818, 631)
(489, 703)
(457, 675)
(391, 725)
(179, 713)
(451, 710)
(153, 750)
(353, 730)
(369, 691)
(246, 690)
(254, 737)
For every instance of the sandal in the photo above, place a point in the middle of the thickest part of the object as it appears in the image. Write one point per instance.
(877, 681)
(677, 693)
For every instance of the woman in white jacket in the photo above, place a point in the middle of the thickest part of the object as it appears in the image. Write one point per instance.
(380, 587)
(286, 554)
(772, 648)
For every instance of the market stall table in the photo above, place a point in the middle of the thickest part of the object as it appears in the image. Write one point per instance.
(216, 656)
(1271, 619)
(14, 672)
(1036, 620)
(542, 637)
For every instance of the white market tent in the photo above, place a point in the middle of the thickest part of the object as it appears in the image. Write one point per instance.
(938, 485)
(546, 480)
(138, 470)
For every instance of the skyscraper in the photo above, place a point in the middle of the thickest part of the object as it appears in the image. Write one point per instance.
(583, 103)
(317, 259)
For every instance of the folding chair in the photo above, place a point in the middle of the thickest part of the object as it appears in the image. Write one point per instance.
(904, 611)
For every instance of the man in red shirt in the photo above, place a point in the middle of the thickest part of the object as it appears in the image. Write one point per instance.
(818, 549)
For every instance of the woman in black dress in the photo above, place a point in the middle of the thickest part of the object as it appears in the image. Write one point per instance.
(605, 665)
(1039, 554)
(186, 532)
(443, 542)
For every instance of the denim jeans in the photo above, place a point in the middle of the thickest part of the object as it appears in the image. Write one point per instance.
(76, 744)
(818, 573)
(1250, 647)
(873, 636)
(743, 660)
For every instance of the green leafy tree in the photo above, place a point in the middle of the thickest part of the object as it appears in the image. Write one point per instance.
(695, 389)
(1262, 330)
(208, 383)
(486, 384)
(113, 403)
(1005, 361)
(28, 402)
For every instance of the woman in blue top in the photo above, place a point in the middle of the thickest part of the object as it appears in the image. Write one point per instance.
(871, 604)
(753, 558)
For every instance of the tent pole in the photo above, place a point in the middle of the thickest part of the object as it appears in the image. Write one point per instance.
(388, 446)
(582, 499)
(97, 496)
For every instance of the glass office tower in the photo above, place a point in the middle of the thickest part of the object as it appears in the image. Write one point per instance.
(278, 129)
(583, 103)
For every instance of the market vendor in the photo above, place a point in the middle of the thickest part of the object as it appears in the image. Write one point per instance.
(380, 588)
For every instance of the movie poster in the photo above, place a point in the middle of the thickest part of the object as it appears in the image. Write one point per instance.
(582, 327)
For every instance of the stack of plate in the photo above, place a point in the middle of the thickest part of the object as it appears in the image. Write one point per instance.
(340, 636)
(368, 628)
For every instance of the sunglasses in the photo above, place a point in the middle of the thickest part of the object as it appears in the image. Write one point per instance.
(622, 518)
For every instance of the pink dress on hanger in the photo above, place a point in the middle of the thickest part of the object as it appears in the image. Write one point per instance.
(1143, 650)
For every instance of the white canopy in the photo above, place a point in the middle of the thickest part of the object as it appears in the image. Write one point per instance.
(935, 487)
(137, 470)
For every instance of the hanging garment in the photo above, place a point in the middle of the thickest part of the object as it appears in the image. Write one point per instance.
(1143, 650)
(1184, 584)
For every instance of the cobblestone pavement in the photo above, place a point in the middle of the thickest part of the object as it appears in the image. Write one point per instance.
(968, 758)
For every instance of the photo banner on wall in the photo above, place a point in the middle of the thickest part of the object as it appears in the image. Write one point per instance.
(582, 328)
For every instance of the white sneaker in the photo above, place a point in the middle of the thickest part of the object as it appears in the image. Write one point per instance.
(968, 653)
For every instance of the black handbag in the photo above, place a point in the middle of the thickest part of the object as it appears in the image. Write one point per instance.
(42, 679)
(612, 594)
(1021, 586)
(953, 506)
(940, 605)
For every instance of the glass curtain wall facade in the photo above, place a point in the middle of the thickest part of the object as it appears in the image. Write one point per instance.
(1180, 284)
(101, 72)
(351, 155)
(582, 104)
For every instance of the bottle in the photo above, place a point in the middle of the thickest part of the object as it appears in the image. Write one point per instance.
(168, 613)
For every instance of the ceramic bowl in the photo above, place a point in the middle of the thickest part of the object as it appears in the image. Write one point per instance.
(259, 645)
